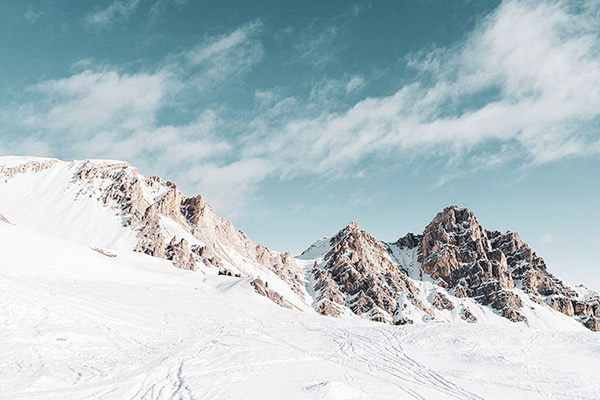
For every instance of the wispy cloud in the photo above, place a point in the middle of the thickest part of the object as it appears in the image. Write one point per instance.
(31, 15)
(522, 87)
(526, 77)
(224, 56)
(320, 45)
(547, 238)
(117, 10)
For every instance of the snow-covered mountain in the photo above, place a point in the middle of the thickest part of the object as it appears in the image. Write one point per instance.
(117, 285)
(455, 271)
(109, 206)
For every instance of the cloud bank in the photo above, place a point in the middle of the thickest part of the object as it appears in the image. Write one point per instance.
(523, 86)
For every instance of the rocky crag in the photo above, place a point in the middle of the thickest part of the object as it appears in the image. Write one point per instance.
(470, 261)
(358, 273)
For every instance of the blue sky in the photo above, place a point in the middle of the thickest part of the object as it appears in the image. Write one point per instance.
(294, 118)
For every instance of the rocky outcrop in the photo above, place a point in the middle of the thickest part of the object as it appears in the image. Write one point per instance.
(179, 253)
(286, 268)
(119, 185)
(208, 227)
(441, 302)
(208, 257)
(7, 173)
(460, 255)
(467, 315)
(263, 289)
(592, 323)
(151, 240)
(329, 300)
(456, 251)
(358, 273)
(2, 219)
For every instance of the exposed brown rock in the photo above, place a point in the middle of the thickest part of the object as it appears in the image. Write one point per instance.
(179, 253)
(7, 173)
(456, 251)
(263, 289)
(286, 268)
(207, 256)
(359, 274)
(485, 265)
(455, 247)
(150, 237)
(441, 302)
(104, 252)
(593, 324)
(209, 228)
(2, 219)
(330, 300)
(467, 315)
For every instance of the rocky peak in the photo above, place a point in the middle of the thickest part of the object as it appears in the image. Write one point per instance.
(456, 252)
(409, 241)
(455, 247)
(358, 274)
(194, 209)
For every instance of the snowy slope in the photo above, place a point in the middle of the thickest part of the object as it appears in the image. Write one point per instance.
(48, 196)
(76, 324)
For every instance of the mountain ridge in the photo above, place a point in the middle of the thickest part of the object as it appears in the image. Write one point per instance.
(454, 271)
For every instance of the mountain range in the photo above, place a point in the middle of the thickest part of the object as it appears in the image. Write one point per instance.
(455, 271)
(116, 285)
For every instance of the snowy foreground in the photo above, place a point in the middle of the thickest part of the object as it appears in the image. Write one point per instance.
(77, 324)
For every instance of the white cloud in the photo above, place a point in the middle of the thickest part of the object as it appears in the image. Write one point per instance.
(355, 83)
(547, 238)
(224, 56)
(527, 76)
(320, 46)
(103, 112)
(231, 185)
(118, 9)
(526, 79)
(32, 16)
(95, 101)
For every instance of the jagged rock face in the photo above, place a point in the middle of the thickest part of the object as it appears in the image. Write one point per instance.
(525, 266)
(457, 252)
(441, 302)
(286, 268)
(121, 187)
(593, 324)
(210, 228)
(179, 253)
(455, 247)
(169, 204)
(330, 300)
(485, 265)
(208, 256)
(359, 274)
(409, 241)
(151, 240)
(467, 315)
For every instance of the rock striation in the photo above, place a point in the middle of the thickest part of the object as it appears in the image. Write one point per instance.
(460, 255)
(358, 273)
